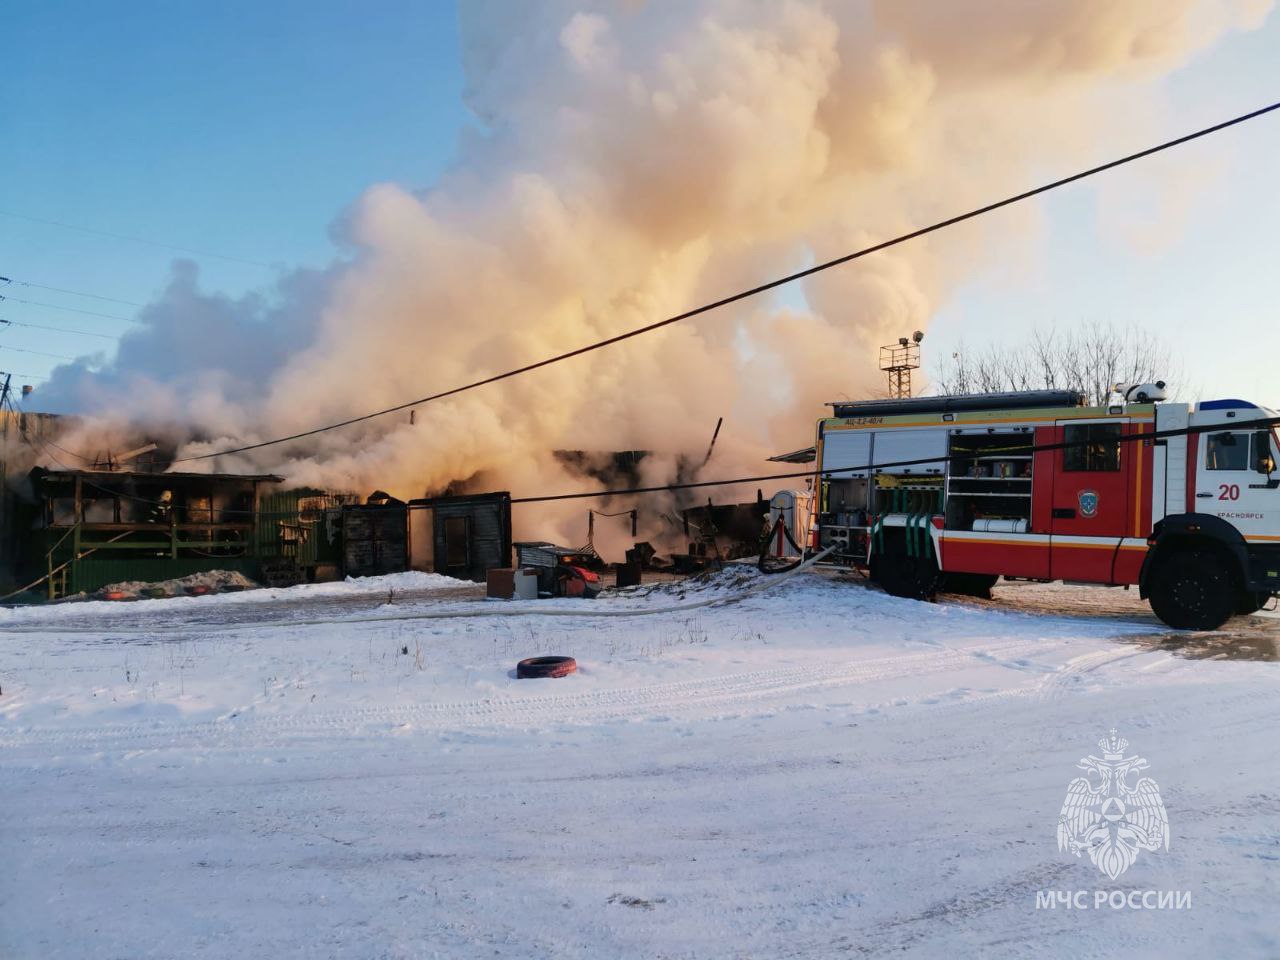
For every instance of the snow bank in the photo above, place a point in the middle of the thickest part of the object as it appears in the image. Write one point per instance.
(408, 583)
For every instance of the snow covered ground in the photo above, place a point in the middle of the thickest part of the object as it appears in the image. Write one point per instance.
(818, 770)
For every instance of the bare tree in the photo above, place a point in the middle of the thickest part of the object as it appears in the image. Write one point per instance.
(1091, 358)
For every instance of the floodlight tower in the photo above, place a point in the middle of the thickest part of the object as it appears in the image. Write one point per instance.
(897, 360)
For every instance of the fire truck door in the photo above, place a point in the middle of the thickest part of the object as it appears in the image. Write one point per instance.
(1230, 485)
(1091, 491)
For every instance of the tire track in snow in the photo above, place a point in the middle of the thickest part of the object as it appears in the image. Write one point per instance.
(1073, 674)
(589, 707)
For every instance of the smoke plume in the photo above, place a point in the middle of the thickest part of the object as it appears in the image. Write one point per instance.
(633, 160)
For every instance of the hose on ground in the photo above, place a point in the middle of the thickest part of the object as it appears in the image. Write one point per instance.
(763, 564)
(482, 610)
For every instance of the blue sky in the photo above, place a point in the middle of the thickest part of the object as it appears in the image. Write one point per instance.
(246, 128)
(236, 128)
(1213, 288)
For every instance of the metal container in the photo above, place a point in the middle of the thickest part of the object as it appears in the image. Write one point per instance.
(462, 536)
(526, 584)
(990, 525)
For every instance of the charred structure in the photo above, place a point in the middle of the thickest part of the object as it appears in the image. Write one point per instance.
(84, 529)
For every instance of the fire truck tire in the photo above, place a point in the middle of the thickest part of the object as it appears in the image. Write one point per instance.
(969, 584)
(915, 578)
(1193, 590)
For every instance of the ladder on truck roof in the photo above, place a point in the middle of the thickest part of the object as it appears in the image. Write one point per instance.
(1018, 400)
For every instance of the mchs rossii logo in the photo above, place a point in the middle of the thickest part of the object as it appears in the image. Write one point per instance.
(1113, 813)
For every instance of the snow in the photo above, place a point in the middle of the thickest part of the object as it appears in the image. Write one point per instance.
(409, 583)
(817, 770)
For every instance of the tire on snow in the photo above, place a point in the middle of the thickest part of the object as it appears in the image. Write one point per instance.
(969, 584)
(545, 667)
(1194, 590)
(1251, 601)
(915, 578)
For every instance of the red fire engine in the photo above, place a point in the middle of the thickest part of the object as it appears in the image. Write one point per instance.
(931, 492)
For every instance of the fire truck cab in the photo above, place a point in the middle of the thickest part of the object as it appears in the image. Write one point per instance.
(1182, 500)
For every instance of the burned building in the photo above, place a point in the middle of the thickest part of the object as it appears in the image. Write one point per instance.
(84, 529)
(460, 537)
(724, 531)
(22, 436)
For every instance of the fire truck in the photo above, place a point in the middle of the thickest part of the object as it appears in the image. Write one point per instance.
(930, 493)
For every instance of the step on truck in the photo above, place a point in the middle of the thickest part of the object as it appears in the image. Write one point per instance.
(929, 493)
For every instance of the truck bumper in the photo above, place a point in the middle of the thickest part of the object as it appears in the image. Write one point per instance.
(1262, 569)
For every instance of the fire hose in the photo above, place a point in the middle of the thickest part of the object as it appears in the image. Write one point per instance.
(762, 564)
(484, 610)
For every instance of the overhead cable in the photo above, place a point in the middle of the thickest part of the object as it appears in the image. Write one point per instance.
(42, 326)
(37, 353)
(74, 293)
(753, 291)
(132, 239)
(1262, 423)
(54, 306)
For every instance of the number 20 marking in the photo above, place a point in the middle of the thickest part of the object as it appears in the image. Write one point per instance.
(1228, 491)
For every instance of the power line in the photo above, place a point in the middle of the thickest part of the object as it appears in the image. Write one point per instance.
(1022, 448)
(43, 450)
(762, 288)
(1028, 447)
(54, 306)
(37, 353)
(74, 293)
(41, 326)
(124, 236)
(71, 453)
(45, 444)
(24, 376)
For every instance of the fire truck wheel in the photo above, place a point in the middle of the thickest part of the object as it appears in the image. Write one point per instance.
(969, 584)
(1193, 590)
(914, 578)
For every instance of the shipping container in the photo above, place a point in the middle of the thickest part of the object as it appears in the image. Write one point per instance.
(463, 536)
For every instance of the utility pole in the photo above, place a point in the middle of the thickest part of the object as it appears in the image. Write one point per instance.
(4, 467)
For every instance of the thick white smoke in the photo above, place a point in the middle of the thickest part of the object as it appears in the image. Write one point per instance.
(637, 159)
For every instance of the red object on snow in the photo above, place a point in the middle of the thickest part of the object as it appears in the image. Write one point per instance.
(579, 582)
(539, 667)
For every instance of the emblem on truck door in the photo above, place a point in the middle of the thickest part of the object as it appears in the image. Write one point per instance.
(1088, 503)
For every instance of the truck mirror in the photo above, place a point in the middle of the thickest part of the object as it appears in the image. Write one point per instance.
(1266, 462)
